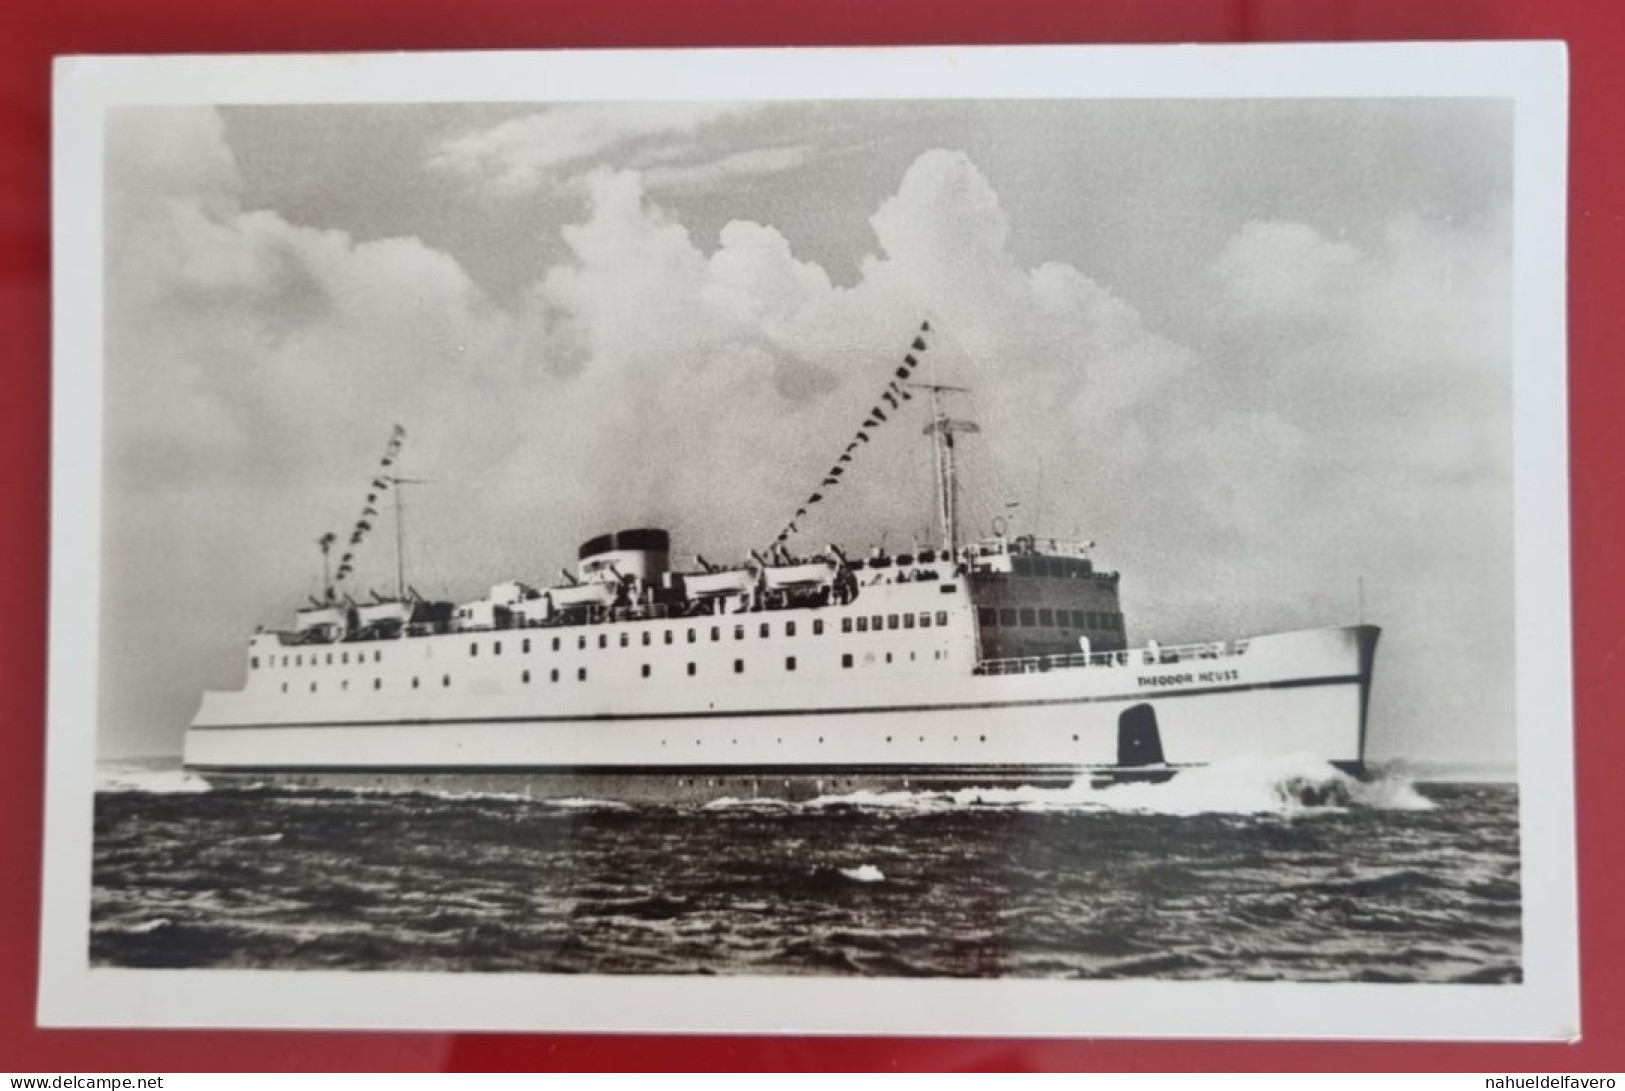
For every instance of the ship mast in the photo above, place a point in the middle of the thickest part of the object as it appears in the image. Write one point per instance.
(325, 542)
(942, 430)
(400, 531)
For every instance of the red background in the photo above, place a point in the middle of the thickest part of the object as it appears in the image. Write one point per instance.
(33, 31)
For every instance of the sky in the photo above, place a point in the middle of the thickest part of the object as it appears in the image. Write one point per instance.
(1259, 351)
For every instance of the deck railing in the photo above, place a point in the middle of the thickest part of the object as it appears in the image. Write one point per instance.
(1160, 655)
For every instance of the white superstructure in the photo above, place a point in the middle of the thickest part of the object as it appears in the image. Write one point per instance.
(1000, 662)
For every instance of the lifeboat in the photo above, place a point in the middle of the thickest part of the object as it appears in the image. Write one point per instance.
(731, 581)
(583, 594)
(798, 575)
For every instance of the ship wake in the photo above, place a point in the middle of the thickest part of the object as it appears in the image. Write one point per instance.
(1246, 785)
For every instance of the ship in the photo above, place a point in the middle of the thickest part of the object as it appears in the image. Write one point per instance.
(996, 662)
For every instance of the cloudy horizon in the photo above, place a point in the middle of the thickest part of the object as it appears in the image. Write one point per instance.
(1259, 351)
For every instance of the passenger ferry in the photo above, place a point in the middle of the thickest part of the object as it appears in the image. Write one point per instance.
(998, 662)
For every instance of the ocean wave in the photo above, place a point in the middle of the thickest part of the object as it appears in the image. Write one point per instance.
(1248, 785)
(144, 778)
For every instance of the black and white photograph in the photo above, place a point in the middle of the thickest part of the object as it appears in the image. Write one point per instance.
(1023, 541)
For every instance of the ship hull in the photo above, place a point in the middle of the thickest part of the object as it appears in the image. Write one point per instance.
(1296, 693)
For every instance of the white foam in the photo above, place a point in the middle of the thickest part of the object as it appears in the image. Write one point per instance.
(864, 873)
(1249, 785)
(144, 778)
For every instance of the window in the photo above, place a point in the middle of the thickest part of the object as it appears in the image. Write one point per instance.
(818, 626)
(1028, 619)
(626, 639)
(284, 687)
(846, 625)
(377, 683)
(254, 663)
(524, 646)
(445, 680)
(789, 662)
(716, 633)
(987, 617)
(863, 624)
(1079, 619)
(329, 659)
(377, 657)
(942, 617)
(473, 650)
(668, 636)
(1046, 618)
(648, 638)
(298, 660)
(603, 640)
(496, 647)
(692, 636)
(888, 657)
(524, 676)
(876, 621)
(414, 683)
(313, 687)
(892, 621)
(581, 674)
(739, 666)
(925, 620)
(691, 670)
(553, 675)
(581, 642)
(739, 632)
(908, 621)
(645, 670)
(846, 661)
(555, 643)
(789, 628)
(344, 658)
(765, 630)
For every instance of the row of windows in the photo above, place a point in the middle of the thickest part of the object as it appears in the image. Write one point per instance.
(1027, 617)
(764, 630)
(1055, 567)
(298, 659)
(646, 671)
(880, 622)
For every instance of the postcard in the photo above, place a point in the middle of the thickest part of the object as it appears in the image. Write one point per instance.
(1040, 541)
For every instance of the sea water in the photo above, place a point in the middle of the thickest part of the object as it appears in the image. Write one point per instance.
(1278, 869)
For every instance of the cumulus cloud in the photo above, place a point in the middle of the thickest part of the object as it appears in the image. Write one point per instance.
(523, 154)
(731, 169)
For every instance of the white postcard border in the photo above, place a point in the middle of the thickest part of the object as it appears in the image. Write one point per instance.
(1545, 1005)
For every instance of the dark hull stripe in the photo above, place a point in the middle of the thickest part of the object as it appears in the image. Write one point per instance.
(726, 714)
(658, 770)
